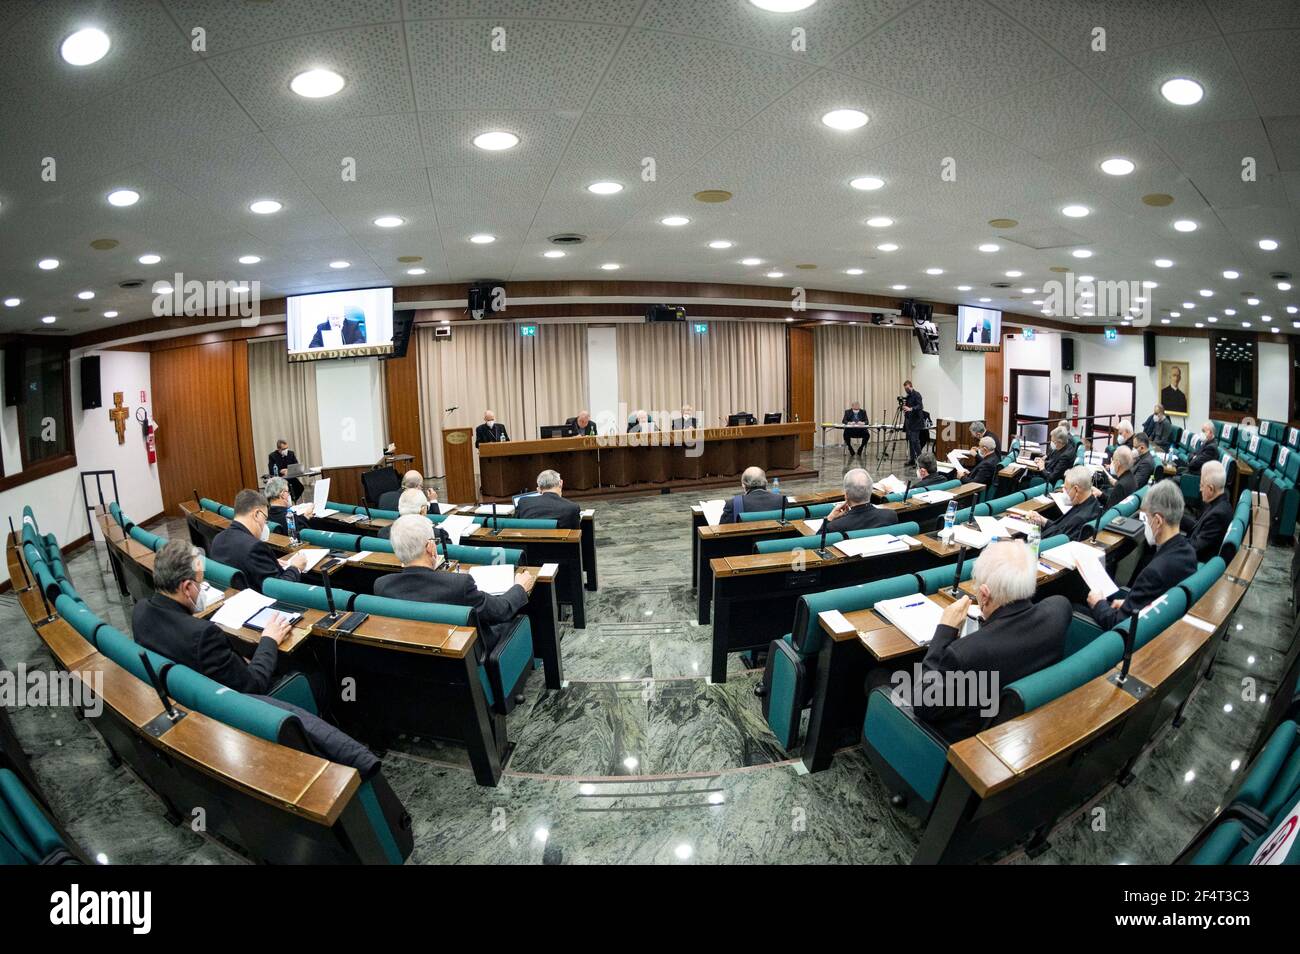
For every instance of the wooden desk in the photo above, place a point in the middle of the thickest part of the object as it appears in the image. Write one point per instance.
(622, 461)
(698, 520)
(562, 547)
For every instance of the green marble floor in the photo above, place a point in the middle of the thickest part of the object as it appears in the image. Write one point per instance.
(641, 759)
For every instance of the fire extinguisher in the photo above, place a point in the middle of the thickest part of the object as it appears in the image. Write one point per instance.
(149, 427)
(1074, 406)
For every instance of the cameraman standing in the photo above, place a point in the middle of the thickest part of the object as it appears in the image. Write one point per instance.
(913, 421)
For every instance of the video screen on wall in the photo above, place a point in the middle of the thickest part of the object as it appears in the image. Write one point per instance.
(978, 329)
(343, 324)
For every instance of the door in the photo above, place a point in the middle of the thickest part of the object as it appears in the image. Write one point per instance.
(1030, 401)
(1111, 398)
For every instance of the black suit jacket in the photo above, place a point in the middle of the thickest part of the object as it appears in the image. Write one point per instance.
(489, 435)
(581, 431)
(930, 481)
(352, 333)
(235, 546)
(1158, 431)
(985, 472)
(1056, 463)
(1078, 523)
(1207, 531)
(1143, 467)
(862, 517)
(1173, 563)
(914, 419)
(1018, 639)
(1124, 485)
(278, 463)
(854, 417)
(566, 514)
(1207, 452)
(684, 423)
(165, 626)
(755, 501)
(495, 613)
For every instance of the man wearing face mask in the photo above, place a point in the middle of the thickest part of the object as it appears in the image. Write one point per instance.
(1174, 560)
(1158, 427)
(165, 624)
(1206, 532)
(1077, 524)
(243, 544)
(1206, 452)
(1017, 637)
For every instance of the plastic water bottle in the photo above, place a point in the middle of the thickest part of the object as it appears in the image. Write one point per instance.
(291, 524)
(949, 518)
(1034, 539)
(776, 485)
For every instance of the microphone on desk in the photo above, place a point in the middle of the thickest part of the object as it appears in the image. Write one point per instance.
(496, 523)
(1130, 640)
(955, 590)
(782, 521)
(907, 489)
(822, 552)
(334, 614)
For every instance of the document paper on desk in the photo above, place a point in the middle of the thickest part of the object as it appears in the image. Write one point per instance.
(915, 616)
(494, 578)
(312, 555)
(1065, 554)
(870, 546)
(320, 493)
(232, 613)
(814, 526)
(457, 526)
(891, 485)
(446, 508)
(933, 496)
(1094, 574)
(503, 510)
(712, 511)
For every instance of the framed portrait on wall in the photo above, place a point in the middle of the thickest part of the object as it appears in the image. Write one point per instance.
(1173, 390)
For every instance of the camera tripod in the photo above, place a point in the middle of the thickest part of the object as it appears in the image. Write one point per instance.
(889, 435)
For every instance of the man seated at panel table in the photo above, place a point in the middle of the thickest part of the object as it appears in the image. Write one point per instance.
(549, 504)
(1144, 462)
(243, 544)
(411, 480)
(985, 470)
(856, 511)
(280, 460)
(582, 424)
(490, 432)
(642, 424)
(754, 499)
(1125, 481)
(278, 502)
(927, 472)
(1207, 531)
(855, 415)
(1060, 455)
(414, 545)
(1174, 560)
(1017, 637)
(1158, 427)
(685, 420)
(1078, 521)
(978, 431)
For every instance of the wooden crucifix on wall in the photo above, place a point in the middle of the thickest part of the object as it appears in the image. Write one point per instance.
(118, 414)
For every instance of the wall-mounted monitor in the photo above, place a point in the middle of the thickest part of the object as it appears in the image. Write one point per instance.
(978, 329)
(342, 324)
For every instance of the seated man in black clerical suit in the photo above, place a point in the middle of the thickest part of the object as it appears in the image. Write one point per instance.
(1158, 427)
(414, 546)
(411, 480)
(927, 471)
(350, 330)
(1144, 463)
(582, 424)
(549, 504)
(1174, 560)
(1077, 523)
(1060, 455)
(1207, 531)
(756, 496)
(855, 415)
(685, 420)
(1206, 451)
(1125, 481)
(280, 460)
(243, 544)
(985, 470)
(489, 432)
(855, 511)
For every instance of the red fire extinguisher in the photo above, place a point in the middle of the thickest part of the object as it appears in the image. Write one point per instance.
(149, 427)
(1074, 406)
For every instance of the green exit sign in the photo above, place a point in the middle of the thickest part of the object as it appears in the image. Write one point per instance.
(528, 331)
(701, 328)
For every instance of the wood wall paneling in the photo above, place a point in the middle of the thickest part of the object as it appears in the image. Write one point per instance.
(198, 440)
(800, 380)
(249, 470)
(402, 387)
(994, 413)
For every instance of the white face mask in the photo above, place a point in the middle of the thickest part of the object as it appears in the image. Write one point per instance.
(1149, 531)
(266, 532)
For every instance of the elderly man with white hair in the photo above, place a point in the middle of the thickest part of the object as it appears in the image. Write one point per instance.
(1204, 452)
(1174, 560)
(856, 511)
(755, 498)
(1060, 455)
(411, 480)
(985, 470)
(1125, 480)
(1078, 522)
(414, 546)
(1206, 532)
(549, 503)
(1017, 637)
(1124, 434)
(411, 501)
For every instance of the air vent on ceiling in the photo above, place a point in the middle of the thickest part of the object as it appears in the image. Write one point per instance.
(1053, 237)
(567, 238)
(131, 283)
(1280, 276)
(999, 284)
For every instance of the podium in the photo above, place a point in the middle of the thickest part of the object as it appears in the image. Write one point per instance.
(458, 464)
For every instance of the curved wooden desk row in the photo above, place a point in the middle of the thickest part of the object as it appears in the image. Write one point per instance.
(428, 672)
(620, 460)
(1033, 770)
(200, 762)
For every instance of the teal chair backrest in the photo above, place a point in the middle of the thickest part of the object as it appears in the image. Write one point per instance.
(78, 616)
(1199, 583)
(227, 512)
(331, 539)
(304, 594)
(115, 512)
(937, 577)
(807, 635)
(813, 541)
(518, 523)
(411, 609)
(792, 512)
(946, 485)
(375, 544)
(151, 540)
(483, 556)
(218, 574)
(1088, 663)
(346, 508)
(1162, 614)
(247, 713)
(29, 515)
(207, 503)
(125, 651)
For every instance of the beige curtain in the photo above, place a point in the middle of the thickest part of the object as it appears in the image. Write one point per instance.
(282, 401)
(862, 363)
(734, 366)
(559, 370)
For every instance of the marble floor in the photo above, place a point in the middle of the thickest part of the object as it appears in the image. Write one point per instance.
(641, 759)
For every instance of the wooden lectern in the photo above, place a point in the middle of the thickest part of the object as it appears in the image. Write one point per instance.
(458, 463)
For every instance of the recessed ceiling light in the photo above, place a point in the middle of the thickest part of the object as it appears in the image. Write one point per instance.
(316, 84)
(845, 119)
(611, 266)
(867, 183)
(1268, 245)
(674, 220)
(49, 319)
(265, 206)
(1290, 309)
(989, 247)
(1149, 284)
(340, 264)
(783, 6)
(1164, 263)
(1211, 319)
(1116, 166)
(1175, 314)
(721, 243)
(110, 314)
(85, 295)
(1189, 304)
(123, 197)
(1028, 291)
(496, 140)
(48, 264)
(852, 271)
(483, 238)
(898, 287)
(934, 271)
(1185, 225)
(887, 247)
(243, 260)
(1075, 211)
(1182, 91)
(416, 271)
(85, 47)
(1014, 273)
(1081, 253)
(13, 302)
(1245, 324)
(880, 222)
(775, 274)
(1283, 286)
(1252, 300)
(1265, 317)
(1086, 279)
(963, 288)
(553, 253)
(605, 188)
(1206, 292)
(149, 258)
(986, 300)
(389, 221)
(751, 261)
(1229, 311)
(1229, 273)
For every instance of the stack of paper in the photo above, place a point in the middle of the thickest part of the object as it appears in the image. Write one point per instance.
(446, 508)
(457, 526)
(359, 555)
(320, 493)
(871, 546)
(502, 510)
(1088, 563)
(494, 578)
(890, 485)
(312, 555)
(915, 616)
(989, 526)
(964, 536)
(712, 511)
(1067, 553)
(933, 496)
(1012, 526)
(814, 526)
(239, 607)
(1027, 461)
